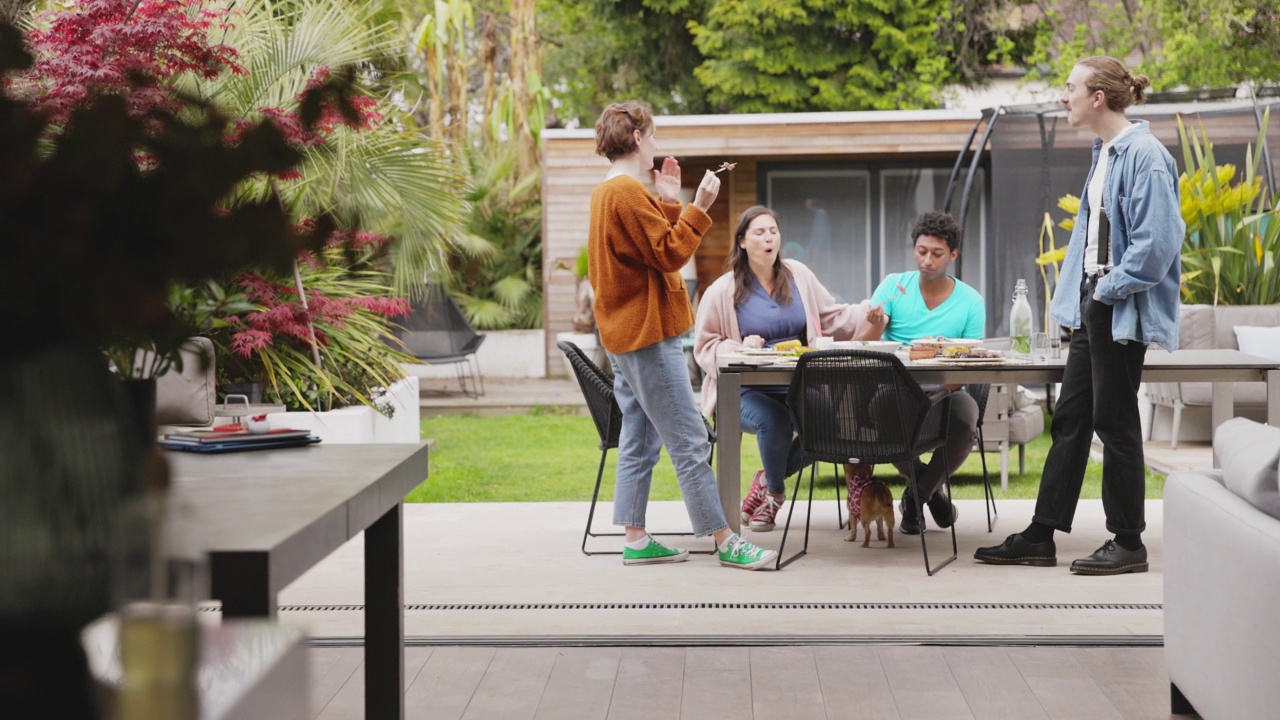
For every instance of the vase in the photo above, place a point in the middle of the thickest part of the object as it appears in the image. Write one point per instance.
(140, 406)
(68, 461)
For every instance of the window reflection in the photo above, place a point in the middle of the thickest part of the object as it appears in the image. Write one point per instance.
(825, 219)
(853, 226)
(905, 193)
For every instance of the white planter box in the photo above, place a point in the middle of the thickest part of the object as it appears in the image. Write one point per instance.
(360, 424)
(503, 354)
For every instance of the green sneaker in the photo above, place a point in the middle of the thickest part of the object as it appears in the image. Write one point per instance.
(742, 554)
(654, 552)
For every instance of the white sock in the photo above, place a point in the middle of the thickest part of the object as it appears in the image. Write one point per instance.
(725, 546)
(640, 544)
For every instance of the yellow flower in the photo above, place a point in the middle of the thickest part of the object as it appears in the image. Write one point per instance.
(1070, 203)
(1052, 257)
(1257, 247)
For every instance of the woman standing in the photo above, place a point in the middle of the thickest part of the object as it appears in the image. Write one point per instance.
(636, 246)
(765, 300)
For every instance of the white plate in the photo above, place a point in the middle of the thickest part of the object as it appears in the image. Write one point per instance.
(741, 360)
(763, 352)
(885, 346)
(945, 342)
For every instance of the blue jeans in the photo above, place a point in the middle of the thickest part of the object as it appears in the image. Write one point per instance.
(656, 398)
(765, 414)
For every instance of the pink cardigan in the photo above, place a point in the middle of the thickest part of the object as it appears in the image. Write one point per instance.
(716, 329)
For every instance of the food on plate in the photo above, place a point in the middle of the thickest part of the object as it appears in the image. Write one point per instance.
(922, 353)
(787, 345)
(964, 351)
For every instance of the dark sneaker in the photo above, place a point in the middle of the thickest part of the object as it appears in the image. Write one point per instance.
(910, 515)
(1015, 550)
(943, 510)
(1111, 559)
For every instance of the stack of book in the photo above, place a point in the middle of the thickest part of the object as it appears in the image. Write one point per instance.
(218, 440)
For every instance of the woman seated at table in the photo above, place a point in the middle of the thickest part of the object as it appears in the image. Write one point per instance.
(762, 301)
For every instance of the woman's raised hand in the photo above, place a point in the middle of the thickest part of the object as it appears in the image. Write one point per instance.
(707, 191)
(667, 180)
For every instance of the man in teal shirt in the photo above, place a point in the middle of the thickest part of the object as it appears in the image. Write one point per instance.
(925, 303)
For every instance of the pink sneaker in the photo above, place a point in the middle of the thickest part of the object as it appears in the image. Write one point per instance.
(755, 496)
(762, 520)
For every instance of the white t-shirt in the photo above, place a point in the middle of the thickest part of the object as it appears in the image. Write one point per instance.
(1095, 197)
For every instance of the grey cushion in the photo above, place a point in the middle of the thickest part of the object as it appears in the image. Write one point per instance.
(1026, 425)
(187, 397)
(1249, 453)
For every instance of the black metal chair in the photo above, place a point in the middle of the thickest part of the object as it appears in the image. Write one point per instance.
(859, 406)
(437, 332)
(597, 389)
(981, 394)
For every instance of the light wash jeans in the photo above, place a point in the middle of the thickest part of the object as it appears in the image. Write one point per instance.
(656, 397)
(766, 415)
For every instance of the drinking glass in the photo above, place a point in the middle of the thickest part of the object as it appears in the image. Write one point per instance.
(1040, 348)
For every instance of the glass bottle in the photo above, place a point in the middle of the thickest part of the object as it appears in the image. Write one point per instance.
(1021, 321)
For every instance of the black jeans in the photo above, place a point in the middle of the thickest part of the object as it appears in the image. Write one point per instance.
(1099, 394)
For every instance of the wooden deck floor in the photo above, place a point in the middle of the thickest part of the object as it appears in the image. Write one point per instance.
(754, 683)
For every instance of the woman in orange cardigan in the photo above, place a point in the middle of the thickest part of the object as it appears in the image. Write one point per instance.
(636, 246)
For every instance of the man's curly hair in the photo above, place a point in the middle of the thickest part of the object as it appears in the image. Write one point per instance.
(939, 225)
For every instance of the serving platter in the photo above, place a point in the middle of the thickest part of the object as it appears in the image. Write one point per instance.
(946, 342)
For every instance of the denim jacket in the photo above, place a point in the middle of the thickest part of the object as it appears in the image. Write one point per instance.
(1141, 192)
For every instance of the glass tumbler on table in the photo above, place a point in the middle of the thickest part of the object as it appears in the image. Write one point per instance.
(1040, 348)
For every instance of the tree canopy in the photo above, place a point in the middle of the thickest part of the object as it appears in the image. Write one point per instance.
(694, 56)
(1191, 43)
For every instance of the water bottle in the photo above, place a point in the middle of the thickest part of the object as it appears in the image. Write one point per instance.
(1021, 321)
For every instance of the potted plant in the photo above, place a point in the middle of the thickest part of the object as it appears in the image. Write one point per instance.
(105, 211)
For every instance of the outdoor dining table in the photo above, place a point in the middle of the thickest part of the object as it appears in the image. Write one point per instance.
(1220, 367)
(263, 518)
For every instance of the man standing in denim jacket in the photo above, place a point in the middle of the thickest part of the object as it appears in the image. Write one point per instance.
(1119, 291)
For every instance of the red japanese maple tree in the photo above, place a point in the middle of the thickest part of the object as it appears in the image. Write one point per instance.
(136, 49)
(131, 48)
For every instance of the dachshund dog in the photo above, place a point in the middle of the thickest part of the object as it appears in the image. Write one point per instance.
(869, 501)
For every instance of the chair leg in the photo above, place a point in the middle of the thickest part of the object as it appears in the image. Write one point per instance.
(1004, 465)
(992, 512)
(1022, 458)
(1177, 424)
(795, 494)
(924, 530)
(477, 378)
(591, 514)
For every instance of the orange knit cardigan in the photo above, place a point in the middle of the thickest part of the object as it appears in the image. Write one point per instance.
(635, 247)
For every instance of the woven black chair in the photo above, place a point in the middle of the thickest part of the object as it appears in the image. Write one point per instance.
(981, 394)
(597, 389)
(437, 332)
(859, 406)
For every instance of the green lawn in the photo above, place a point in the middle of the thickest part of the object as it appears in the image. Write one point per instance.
(543, 456)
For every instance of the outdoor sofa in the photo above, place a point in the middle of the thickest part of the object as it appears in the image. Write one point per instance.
(1222, 578)
(1205, 327)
